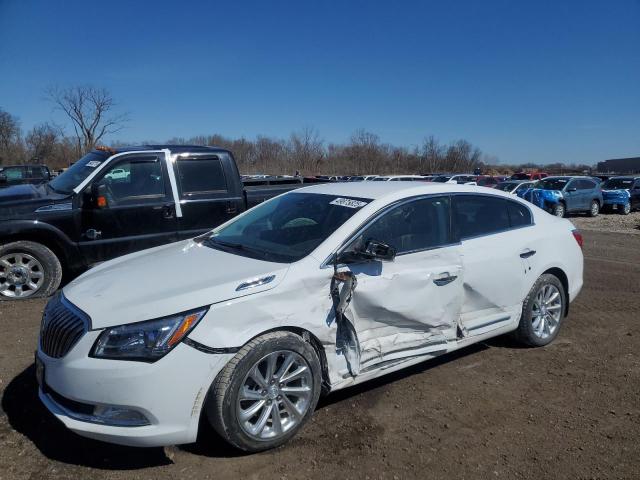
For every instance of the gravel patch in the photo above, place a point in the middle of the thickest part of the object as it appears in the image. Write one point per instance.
(609, 222)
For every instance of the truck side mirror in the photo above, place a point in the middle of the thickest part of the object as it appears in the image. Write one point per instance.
(99, 195)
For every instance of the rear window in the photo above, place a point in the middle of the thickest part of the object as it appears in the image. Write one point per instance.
(198, 176)
(477, 215)
(519, 215)
(617, 183)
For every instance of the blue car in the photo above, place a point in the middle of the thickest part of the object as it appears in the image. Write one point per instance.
(561, 195)
(621, 194)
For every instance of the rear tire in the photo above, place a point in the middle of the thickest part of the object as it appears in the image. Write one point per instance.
(542, 312)
(249, 382)
(28, 270)
(595, 209)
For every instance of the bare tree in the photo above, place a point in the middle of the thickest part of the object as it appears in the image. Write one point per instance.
(42, 141)
(306, 150)
(90, 111)
(11, 145)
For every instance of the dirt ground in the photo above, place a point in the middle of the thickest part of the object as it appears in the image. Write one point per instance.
(570, 410)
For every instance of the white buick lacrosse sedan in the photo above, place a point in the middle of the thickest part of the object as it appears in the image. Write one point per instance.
(313, 291)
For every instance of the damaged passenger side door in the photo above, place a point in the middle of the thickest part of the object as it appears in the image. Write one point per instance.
(407, 307)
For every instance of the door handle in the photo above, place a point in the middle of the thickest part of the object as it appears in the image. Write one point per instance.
(168, 211)
(93, 234)
(444, 279)
(231, 208)
(527, 254)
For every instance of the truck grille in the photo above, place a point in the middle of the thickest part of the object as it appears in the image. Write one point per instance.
(62, 326)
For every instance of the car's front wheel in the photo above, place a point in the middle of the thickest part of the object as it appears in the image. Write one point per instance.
(28, 270)
(624, 209)
(559, 210)
(542, 312)
(266, 393)
(595, 209)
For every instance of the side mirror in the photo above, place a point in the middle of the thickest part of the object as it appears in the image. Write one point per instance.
(3, 179)
(373, 250)
(99, 195)
(379, 250)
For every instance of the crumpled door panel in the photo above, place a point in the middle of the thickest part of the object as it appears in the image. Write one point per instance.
(398, 311)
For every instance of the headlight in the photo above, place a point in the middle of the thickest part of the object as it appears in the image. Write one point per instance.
(146, 341)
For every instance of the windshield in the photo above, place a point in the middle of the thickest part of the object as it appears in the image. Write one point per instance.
(70, 179)
(552, 183)
(442, 178)
(287, 228)
(507, 186)
(617, 183)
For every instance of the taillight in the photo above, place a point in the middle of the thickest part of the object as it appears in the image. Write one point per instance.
(578, 236)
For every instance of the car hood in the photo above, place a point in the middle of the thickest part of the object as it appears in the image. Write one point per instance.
(166, 280)
(20, 199)
(539, 196)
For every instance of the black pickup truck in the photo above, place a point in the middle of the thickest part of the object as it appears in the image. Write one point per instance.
(113, 202)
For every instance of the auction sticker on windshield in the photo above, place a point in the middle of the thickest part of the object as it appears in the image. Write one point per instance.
(93, 163)
(348, 202)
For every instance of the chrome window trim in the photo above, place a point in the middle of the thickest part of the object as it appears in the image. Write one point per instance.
(328, 261)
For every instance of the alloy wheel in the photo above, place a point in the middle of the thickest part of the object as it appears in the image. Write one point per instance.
(275, 395)
(546, 311)
(21, 275)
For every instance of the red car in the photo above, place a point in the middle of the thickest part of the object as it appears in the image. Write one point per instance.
(529, 176)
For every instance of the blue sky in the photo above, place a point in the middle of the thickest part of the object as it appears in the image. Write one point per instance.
(539, 81)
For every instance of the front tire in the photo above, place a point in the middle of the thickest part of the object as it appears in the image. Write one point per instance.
(559, 210)
(624, 209)
(266, 393)
(28, 270)
(542, 312)
(595, 209)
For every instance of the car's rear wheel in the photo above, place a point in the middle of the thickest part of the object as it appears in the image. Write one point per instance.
(28, 270)
(595, 209)
(624, 209)
(542, 312)
(266, 393)
(559, 210)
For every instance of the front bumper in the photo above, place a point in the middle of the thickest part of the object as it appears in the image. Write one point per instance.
(170, 393)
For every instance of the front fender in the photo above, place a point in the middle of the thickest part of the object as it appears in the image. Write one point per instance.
(44, 233)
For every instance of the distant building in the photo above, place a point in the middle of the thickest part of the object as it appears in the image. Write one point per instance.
(620, 165)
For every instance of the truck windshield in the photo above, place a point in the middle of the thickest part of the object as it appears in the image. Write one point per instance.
(617, 183)
(552, 183)
(287, 228)
(76, 173)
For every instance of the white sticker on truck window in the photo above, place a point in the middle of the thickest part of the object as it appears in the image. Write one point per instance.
(93, 163)
(348, 202)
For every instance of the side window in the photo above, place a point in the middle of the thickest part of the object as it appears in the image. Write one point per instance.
(415, 225)
(519, 215)
(16, 173)
(201, 176)
(476, 215)
(134, 180)
(585, 185)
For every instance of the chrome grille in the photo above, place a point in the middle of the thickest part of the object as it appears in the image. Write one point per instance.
(62, 326)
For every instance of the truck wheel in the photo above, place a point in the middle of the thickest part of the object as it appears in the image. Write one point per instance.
(28, 270)
(624, 209)
(595, 209)
(266, 393)
(542, 312)
(559, 210)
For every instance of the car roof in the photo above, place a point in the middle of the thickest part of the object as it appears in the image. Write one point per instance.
(379, 190)
(174, 148)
